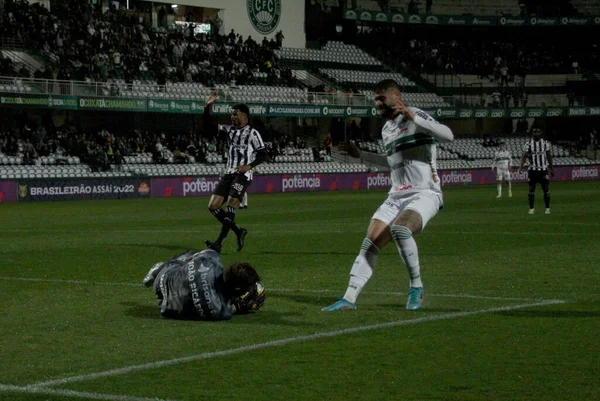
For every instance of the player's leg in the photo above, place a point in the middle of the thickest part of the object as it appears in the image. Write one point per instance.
(217, 198)
(378, 236)
(499, 185)
(411, 221)
(215, 206)
(509, 182)
(245, 201)
(531, 195)
(236, 194)
(546, 189)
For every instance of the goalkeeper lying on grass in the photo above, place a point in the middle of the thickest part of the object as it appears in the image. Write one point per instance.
(194, 285)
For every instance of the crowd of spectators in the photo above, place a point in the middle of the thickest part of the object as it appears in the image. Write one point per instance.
(10, 69)
(81, 42)
(488, 57)
(104, 150)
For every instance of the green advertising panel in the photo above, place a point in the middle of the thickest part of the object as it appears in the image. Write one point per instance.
(111, 103)
(292, 110)
(57, 102)
(468, 20)
(61, 102)
(174, 106)
(225, 108)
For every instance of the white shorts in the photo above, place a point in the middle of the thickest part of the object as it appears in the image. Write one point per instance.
(426, 203)
(502, 173)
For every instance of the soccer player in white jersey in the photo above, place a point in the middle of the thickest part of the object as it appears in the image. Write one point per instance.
(502, 164)
(409, 136)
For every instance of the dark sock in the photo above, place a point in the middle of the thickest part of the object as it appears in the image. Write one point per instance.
(531, 200)
(218, 213)
(547, 200)
(228, 224)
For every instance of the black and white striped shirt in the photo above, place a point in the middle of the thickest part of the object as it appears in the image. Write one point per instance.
(536, 151)
(243, 143)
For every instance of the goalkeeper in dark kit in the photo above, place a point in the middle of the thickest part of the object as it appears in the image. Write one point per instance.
(194, 285)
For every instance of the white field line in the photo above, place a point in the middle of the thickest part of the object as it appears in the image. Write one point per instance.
(318, 229)
(277, 343)
(78, 394)
(283, 290)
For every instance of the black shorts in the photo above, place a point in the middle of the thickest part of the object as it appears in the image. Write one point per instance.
(233, 185)
(538, 177)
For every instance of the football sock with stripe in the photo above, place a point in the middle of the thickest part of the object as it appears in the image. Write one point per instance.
(407, 247)
(362, 270)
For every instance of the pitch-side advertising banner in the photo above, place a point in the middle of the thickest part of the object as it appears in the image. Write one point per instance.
(51, 190)
(44, 190)
(8, 191)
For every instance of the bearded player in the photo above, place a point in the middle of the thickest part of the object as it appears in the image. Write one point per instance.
(410, 136)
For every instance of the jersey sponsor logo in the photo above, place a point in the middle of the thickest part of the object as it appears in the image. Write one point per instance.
(264, 14)
(402, 164)
(422, 114)
(404, 187)
(203, 268)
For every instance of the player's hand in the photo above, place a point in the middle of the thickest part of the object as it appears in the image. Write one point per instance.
(401, 108)
(243, 168)
(211, 99)
(251, 301)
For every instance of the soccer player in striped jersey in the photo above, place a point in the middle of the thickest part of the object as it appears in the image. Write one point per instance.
(410, 136)
(244, 141)
(537, 151)
(502, 164)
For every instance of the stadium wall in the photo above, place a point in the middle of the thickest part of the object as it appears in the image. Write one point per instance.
(238, 15)
(125, 188)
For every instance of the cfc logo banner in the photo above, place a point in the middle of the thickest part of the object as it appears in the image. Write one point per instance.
(264, 14)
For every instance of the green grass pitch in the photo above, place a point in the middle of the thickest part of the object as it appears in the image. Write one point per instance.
(511, 312)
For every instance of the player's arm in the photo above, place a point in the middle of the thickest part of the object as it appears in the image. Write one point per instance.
(494, 161)
(550, 162)
(524, 158)
(210, 127)
(425, 122)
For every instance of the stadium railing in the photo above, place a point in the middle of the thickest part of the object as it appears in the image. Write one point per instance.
(121, 89)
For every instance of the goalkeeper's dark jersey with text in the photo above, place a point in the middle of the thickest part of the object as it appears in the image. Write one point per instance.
(191, 286)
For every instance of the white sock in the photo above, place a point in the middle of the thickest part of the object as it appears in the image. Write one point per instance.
(362, 270)
(410, 255)
(509, 186)
(499, 189)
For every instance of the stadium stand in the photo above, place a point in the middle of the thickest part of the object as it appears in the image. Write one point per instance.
(443, 7)
(469, 153)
